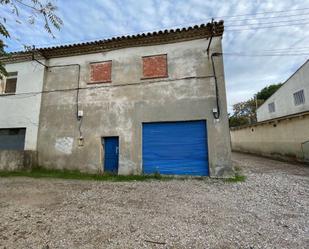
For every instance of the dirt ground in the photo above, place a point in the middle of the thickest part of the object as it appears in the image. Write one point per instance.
(269, 210)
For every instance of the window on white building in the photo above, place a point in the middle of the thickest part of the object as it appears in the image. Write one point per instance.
(299, 97)
(271, 107)
(8, 83)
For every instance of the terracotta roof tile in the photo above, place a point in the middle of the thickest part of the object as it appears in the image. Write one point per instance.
(144, 39)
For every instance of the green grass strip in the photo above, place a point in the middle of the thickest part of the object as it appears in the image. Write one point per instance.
(40, 172)
(75, 174)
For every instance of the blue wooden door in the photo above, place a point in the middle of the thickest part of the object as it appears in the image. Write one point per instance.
(175, 148)
(111, 149)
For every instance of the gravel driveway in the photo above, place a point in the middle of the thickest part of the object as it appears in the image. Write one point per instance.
(269, 210)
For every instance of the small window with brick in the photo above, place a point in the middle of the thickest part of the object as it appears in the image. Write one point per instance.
(101, 72)
(155, 66)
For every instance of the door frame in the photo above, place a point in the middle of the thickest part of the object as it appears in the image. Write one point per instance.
(102, 154)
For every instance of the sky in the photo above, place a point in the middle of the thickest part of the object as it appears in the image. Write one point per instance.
(254, 57)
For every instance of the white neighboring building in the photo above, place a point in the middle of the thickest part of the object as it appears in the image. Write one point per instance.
(291, 98)
(20, 102)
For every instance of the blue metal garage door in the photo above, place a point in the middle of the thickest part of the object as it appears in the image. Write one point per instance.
(175, 148)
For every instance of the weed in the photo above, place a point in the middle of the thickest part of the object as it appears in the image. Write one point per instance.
(236, 178)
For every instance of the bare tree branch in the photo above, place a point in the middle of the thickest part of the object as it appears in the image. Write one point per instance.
(46, 11)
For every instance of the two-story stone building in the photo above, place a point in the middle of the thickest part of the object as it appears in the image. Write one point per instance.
(149, 103)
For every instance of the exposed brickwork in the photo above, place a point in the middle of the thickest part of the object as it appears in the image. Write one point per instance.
(101, 72)
(155, 66)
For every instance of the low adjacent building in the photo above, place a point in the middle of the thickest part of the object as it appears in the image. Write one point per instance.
(20, 102)
(291, 98)
(282, 130)
(149, 103)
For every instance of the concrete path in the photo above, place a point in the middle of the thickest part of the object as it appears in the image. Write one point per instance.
(257, 164)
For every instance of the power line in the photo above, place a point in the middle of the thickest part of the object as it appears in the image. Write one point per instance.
(266, 27)
(26, 94)
(239, 54)
(262, 55)
(201, 20)
(289, 49)
(265, 17)
(262, 13)
(266, 23)
(227, 26)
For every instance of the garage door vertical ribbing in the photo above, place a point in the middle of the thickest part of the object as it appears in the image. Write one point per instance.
(175, 148)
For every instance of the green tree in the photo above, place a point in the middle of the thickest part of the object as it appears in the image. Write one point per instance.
(267, 91)
(35, 10)
(237, 121)
(245, 112)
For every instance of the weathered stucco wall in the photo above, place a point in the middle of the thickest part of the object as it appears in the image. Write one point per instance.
(22, 109)
(16, 159)
(287, 139)
(119, 108)
(11, 160)
(283, 98)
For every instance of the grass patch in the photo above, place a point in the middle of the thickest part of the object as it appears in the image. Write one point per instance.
(75, 174)
(237, 178)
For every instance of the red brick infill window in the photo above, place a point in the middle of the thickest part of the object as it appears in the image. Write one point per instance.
(101, 72)
(155, 66)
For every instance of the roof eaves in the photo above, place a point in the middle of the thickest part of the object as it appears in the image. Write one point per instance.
(143, 39)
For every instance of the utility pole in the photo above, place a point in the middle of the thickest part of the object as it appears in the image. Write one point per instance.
(256, 106)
